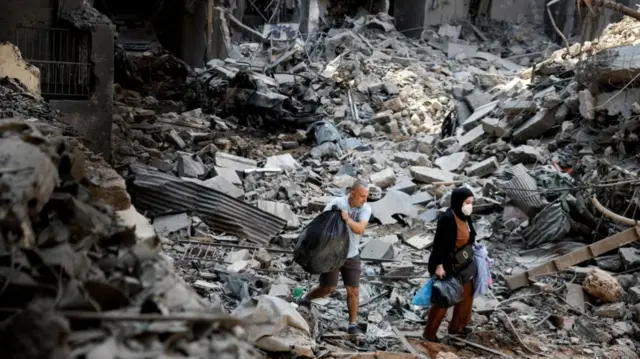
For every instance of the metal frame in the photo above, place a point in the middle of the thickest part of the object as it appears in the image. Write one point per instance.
(63, 57)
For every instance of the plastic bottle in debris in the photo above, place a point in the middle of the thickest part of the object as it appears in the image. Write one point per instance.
(298, 292)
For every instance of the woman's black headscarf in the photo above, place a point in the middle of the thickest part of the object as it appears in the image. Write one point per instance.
(458, 196)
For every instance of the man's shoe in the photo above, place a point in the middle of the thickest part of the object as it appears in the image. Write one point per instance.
(353, 329)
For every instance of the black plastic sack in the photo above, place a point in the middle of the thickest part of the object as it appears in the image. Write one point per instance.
(446, 292)
(323, 245)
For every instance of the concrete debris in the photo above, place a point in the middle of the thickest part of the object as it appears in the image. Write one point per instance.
(231, 160)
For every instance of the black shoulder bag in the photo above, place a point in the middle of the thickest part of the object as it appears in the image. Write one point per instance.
(463, 263)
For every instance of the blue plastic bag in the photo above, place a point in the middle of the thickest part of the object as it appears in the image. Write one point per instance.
(483, 263)
(423, 296)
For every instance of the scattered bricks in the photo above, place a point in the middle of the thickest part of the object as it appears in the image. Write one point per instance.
(613, 311)
(535, 127)
(484, 168)
(397, 268)
(395, 105)
(495, 127)
(384, 178)
(525, 154)
(412, 158)
(383, 117)
(603, 286)
(471, 138)
(430, 175)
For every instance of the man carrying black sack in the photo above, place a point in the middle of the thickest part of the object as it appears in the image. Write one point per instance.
(356, 213)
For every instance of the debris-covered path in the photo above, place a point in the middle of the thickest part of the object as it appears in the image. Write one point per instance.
(183, 246)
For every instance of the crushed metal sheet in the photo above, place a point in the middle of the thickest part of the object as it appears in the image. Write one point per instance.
(159, 193)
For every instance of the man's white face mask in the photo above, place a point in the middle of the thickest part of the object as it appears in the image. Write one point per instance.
(467, 209)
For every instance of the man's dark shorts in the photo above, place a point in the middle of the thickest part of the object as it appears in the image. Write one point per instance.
(350, 271)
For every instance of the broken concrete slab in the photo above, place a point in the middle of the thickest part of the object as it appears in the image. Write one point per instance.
(613, 311)
(383, 117)
(430, 175)
(518, 106)
(484, 168)
(468, 51)
(495, 127)
(454, 162)
(237, 163)
(525, 154)
(404, 268)
(479, 114)
(343, 181)
(390, 238)
(229, 174)
(377, 250)
(407, 186)
(393, 203)
(426, 143)
(221, 184)
(575, 296)
(477, 99)
(236, 256)
(630, 257)
(190, 166)
(421, 198)
(284, 162)
(384, 178)
(282, 210)
(412, 158)
(171, 223)
(535, 127)
(471, 138)
(420, 241)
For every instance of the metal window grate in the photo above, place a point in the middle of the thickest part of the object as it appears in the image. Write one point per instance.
(63, 57)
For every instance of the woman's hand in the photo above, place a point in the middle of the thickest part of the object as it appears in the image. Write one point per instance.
(440, 273)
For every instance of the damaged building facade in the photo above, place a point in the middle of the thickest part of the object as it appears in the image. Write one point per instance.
(74, 52)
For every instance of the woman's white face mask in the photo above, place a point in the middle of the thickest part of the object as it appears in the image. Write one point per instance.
(467, 209)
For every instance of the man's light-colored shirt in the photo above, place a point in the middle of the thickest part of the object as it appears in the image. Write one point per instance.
(357, 214)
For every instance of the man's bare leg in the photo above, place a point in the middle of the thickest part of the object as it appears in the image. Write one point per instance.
(319, 292)
(353, 303)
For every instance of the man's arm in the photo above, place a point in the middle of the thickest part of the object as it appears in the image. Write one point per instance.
(359, 227)
(331, 204)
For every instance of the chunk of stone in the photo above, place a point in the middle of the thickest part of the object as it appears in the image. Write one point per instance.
(454, 162)
(280, 290)
(420, 241)
(633, 295)
(391, 238)
(393, 203)
(390, 88)
(284, 162)
(190, 166)
(263, 256)
(171, 223)
(229, 174)
(397, 268)
(413, 158)
(421, 198)
(343, 181)
(613, 311)
(368, 132)
(535, 127)
(575, 296)
(587, 104)
(237, 163)
(476, 99)
(426, 144)
(175, 138)
(383, 117)
(518, 107)
(395, 105)
(525, 154)
(377, 250)
(384, 178)
(221, 184)
(477, 116)
(241, 255)
(495, 127)
(431, 175)
(630, 257)
(282, 210)
(603, 286)
(484, 168)
(406, 186)
(242, 266)
(455, 50)
(472, 137)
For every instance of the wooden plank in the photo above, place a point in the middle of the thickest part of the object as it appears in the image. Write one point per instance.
(570, 259)
(404, 341)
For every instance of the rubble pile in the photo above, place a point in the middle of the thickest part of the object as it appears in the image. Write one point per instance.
(228, 194)
(83, 280)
